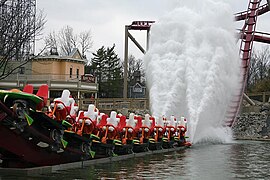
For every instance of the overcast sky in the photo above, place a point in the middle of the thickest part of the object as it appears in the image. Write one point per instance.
(107, 18)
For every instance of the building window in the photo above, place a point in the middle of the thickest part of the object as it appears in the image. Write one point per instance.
(77, 72)
(70, 72)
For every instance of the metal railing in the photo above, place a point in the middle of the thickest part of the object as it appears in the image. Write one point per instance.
(51, 77)
(109, 104)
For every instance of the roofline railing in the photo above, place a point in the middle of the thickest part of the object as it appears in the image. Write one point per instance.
(53, 77)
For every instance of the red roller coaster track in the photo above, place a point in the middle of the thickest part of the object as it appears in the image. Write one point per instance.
(248, 34)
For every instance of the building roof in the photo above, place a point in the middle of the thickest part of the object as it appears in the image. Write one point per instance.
(75, 53)
(74, 56)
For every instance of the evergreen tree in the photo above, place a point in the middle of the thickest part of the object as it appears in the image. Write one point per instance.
(107, 67)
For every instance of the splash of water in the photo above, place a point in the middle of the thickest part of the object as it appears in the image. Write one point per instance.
(192, 66)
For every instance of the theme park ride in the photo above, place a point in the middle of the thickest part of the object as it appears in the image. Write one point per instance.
(34, 134)
(247, 36)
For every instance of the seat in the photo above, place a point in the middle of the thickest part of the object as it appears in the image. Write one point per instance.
(145, 128)
(122, 122)
(43, 92)
(139, 123)
(28, 88)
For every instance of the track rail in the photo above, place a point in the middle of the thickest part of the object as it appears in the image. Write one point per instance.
(258, 36)
(261, 10)
(247, 38)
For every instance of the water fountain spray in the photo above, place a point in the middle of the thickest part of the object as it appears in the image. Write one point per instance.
(192, 66)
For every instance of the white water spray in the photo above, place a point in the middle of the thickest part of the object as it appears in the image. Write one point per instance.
(192, 66)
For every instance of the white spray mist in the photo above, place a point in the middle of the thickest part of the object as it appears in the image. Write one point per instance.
(192, 66)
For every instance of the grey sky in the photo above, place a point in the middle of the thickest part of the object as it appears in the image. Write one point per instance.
(107, 18)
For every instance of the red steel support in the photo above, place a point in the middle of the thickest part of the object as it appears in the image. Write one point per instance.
(248, 34)
(262, 9)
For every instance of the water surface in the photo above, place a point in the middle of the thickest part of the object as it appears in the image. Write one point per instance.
(237, 160)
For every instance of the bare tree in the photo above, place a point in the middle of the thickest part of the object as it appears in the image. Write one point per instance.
(19, 27)
(67, 40)
(263, 62)
(259, 67)
(85, 40)
(51, 42)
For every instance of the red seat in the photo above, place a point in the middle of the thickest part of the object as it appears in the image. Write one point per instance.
(87, 129)
(139, 123)
(43, 92)
(159, 129)
(81, 115)
(60, 114)
(122, 122)
(153, 123)
(28, 88)
(108, 133)
(77, 124)
(103, 121)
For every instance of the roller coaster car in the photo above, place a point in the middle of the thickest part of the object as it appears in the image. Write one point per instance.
(83, 129)
(127, 128)
(124, 141)
(181, 138)
(42, 123)
(139, 144)
(169, 135)
(103, 140)
(155, 143)
(84, 126)
(145, 130)
(181, 129)
(76, 136)
(64, 107)
(127, 134)
(33, 130)
(113, 141)
(27, 119)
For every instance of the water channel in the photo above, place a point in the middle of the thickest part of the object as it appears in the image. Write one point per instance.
(192, 72)
(236, 160)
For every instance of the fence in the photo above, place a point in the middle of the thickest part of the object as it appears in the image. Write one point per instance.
(108, 104)
(52, 77)
(260, 96)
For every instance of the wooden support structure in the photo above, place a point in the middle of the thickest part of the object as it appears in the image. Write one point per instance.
(136, 25)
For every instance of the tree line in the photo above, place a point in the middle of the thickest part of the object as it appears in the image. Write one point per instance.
(259, 71)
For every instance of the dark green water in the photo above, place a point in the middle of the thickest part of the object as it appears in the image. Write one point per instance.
(238, 160)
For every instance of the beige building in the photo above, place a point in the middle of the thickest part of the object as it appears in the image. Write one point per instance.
(56, 67)
(59, 72)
